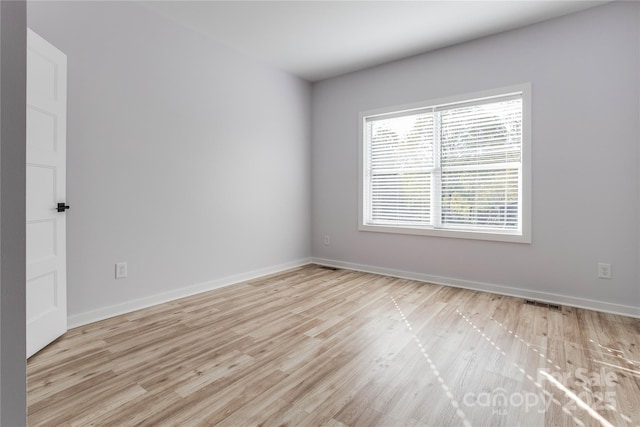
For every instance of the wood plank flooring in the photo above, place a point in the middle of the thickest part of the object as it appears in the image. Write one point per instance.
(312, 346)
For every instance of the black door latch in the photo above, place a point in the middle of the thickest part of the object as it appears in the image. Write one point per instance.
(62, 207)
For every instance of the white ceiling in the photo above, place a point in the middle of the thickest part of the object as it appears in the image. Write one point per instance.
(320, 39)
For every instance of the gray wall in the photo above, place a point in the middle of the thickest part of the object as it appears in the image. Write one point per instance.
(584, 74)
(184, 159)
(13, 50)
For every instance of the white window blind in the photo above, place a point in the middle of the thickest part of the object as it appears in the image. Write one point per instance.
(454, 166)
(401, 165)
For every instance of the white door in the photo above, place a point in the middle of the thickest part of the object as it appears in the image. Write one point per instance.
(46, 187)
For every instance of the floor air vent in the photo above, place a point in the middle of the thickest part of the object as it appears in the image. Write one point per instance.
(543, 304)
(326, 267)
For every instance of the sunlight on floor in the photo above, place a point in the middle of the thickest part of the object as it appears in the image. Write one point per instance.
(459, 412)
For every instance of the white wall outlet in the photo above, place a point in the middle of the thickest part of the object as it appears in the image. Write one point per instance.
(604, 270)
(121, 270)
(327, 240)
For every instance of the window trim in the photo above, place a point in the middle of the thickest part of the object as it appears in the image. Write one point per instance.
(521, 236)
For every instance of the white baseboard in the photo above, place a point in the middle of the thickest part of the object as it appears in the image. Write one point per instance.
(606, 307)
(81, 319)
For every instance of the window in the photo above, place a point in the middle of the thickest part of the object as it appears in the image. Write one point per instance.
(454, 168)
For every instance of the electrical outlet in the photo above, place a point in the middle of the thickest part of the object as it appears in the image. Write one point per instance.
(121, 270)
(327, 240)
(604, 270)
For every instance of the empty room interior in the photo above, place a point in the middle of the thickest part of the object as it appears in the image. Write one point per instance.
(320, 213)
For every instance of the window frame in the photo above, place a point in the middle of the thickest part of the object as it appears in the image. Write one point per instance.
(523, 235)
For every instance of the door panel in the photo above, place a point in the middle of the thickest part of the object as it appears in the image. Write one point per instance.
(46, 187)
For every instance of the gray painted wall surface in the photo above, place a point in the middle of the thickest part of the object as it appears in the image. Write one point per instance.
(585, 93)
(184, 159)
(13, 50)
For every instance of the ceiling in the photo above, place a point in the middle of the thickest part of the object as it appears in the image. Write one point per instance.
(316, 40)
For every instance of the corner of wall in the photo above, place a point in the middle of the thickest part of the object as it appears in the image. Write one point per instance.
(13, 49)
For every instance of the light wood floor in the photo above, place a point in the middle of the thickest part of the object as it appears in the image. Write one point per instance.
(313, 346)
